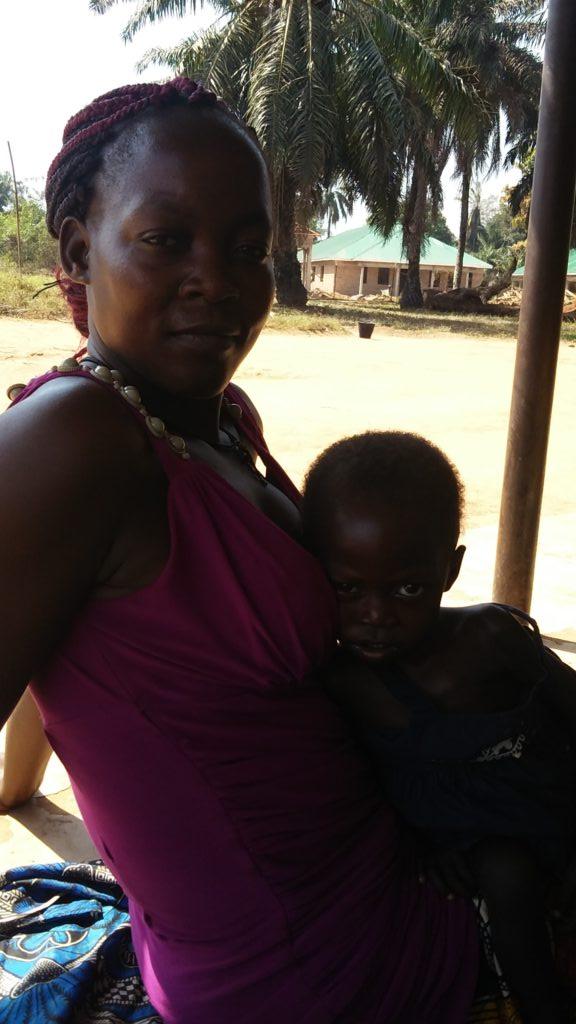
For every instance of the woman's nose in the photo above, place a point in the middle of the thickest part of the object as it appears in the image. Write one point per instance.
(209, 276)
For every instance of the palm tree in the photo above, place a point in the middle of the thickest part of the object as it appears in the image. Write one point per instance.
(323, 83)
(335, 203)
(490, 42)
(476, 231)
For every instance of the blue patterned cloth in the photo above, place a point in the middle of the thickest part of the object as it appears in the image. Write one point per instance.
(66, 954)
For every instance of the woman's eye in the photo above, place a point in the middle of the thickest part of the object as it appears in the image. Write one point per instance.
(410, 590)
(345, 589)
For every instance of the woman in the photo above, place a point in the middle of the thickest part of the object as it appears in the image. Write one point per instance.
(157, 593)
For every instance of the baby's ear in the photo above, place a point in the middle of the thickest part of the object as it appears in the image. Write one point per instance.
(455, 566)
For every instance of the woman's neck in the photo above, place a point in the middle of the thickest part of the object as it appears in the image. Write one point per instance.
(189, 417)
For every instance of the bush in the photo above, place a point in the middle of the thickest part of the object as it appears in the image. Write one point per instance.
(39, 249)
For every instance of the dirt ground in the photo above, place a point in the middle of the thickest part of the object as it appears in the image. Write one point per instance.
(312, 390)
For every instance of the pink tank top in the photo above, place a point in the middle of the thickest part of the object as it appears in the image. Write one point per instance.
(266, 878)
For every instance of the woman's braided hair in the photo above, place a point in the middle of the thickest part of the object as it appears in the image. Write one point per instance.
(86, 136)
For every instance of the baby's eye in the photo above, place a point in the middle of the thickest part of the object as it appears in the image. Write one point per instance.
(410, 590)
(162, 240)
(345, 589)
(253, 253)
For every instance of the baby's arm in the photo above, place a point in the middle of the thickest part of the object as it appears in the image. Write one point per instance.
(560, 689)
(363, 694)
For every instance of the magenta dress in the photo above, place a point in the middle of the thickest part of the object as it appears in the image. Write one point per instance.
(266, 878)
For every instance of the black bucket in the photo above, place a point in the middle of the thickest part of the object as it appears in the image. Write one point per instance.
(365, 328)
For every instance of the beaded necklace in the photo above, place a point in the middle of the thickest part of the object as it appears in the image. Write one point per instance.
(154, 424)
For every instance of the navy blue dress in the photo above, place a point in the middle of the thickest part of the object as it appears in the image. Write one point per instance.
(461, 777)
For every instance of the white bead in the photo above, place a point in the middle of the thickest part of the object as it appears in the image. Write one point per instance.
(68, 366)
(132, 395)
(103, 373)
(117, 377)
(14, 390)
(178, 444)
(156, 426)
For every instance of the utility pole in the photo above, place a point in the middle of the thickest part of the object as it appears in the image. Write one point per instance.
(17, 207)
(540, 323)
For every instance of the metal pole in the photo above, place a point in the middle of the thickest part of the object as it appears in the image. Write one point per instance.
(17, 207)
(541, 311)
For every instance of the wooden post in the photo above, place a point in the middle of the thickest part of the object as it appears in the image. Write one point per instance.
(396, 286)
(307, 265)
(541, 312)
(17, 208)
(361, 284)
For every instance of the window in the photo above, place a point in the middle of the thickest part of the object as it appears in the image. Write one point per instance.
(313, 276)
(322, 272)
(469, 277)
(383, 275)
(365, 275)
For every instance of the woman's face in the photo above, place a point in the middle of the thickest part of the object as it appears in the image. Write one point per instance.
(179, 267)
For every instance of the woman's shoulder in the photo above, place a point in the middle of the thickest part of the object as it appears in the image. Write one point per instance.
(71, 440)
(71, 416)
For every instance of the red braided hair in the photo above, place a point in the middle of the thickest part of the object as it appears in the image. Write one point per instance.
(86, 135)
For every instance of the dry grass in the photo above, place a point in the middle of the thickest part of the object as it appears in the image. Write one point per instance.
(17, 297)
(321, 316)
(341, 316)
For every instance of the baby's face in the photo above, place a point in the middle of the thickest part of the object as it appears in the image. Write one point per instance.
(389, 572)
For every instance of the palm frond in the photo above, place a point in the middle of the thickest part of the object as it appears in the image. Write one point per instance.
(150, 11)
(276, 79)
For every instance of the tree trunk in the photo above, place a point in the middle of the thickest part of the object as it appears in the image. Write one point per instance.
(414, 224)
(464, 208)
(290, 290)
(498, 284)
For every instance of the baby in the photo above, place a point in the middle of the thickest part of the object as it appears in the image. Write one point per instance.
(468, 718)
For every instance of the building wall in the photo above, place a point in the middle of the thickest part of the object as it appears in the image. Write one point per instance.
(518, 282)
(322, 277)
(348, 278)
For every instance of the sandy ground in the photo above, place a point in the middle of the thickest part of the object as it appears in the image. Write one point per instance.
(312, 390)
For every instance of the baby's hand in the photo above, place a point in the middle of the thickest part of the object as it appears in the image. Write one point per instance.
(449, 873)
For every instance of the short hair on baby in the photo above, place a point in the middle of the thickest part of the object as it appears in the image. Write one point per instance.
(395, 468)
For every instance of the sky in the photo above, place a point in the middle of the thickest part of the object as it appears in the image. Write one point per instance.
(56, 56)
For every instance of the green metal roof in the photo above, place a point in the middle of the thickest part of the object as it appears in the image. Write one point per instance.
(570, 270)
(366, 245)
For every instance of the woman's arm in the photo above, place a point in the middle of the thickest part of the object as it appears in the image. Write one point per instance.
(26, 754)
(66, 479)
